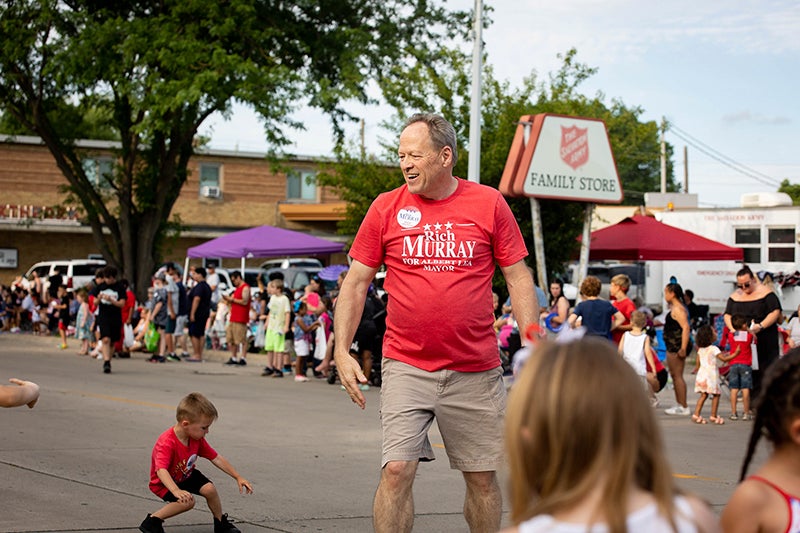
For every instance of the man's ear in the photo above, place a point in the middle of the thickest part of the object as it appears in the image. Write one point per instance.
(447, 156)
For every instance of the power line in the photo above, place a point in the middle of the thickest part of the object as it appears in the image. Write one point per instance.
(722, 158)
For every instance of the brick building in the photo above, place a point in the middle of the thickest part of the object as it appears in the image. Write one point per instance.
(225, 191)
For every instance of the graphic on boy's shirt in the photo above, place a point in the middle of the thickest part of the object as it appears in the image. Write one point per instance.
(184, 468)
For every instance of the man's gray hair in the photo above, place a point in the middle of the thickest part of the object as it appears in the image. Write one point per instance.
(442, 133)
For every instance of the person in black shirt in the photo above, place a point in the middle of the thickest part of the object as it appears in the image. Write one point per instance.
(199, 301)
(111, 297)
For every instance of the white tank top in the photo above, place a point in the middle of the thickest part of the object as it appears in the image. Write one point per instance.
(645, 519)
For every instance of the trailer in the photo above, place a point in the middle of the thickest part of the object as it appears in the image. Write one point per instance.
(769, 237)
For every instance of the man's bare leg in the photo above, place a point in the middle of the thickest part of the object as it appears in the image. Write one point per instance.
(393, 508)
(483, 502)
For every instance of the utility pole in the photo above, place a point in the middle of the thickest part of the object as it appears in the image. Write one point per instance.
(685, 169)
(474, 169)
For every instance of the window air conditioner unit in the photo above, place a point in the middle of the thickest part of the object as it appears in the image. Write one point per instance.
(211, 192)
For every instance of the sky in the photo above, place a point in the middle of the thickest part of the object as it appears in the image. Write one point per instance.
(724, 73)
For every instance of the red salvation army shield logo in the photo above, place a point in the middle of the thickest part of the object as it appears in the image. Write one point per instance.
(574, 146)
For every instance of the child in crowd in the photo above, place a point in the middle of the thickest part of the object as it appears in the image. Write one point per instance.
(173, 473)
(657, 376)
(598, 316)
(304, 325)
(707, 381)
(768, 500)
(740, 375)
(585, 450)
(618, 290)
(634, 346)
(62, 309)
(83, 322)
(278, 323)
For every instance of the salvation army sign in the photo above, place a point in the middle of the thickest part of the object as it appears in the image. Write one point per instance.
(566, 158)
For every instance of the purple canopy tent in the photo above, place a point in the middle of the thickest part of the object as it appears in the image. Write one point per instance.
(263, 241)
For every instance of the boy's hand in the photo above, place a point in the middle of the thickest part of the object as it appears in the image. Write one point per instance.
(184, 496)
(244, 486)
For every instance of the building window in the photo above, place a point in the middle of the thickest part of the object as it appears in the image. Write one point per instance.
(749, 240)
(99, 171)
(301, 185)
(210, 186)
(780, 245)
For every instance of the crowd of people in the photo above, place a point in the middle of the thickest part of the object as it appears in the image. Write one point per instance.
(182, 317)
(584, 449)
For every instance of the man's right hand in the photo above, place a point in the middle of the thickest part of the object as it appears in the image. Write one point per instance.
(350, 375)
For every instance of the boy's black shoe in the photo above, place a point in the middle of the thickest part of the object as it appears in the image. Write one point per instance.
(242, 362)
(231, 361)
(267, 371)
(173, 357)
(225, 526)
(151, 524)
(107, 367)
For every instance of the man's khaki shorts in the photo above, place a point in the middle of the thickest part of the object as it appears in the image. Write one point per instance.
(469, 408)
(236, 333)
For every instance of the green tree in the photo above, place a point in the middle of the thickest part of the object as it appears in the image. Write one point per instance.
(792, 189)
(149, 72)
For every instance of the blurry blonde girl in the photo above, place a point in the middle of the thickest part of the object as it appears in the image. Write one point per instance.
(585, 450)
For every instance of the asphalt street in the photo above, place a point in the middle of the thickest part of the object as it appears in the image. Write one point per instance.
(79, 461)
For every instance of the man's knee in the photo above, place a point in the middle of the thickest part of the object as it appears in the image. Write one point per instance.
(399, 474)
(484, 482)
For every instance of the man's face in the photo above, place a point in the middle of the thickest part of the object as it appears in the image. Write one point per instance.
(425, 169)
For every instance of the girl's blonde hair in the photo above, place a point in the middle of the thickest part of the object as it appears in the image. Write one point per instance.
(578, 418)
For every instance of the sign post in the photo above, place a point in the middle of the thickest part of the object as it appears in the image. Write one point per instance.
(564, 158)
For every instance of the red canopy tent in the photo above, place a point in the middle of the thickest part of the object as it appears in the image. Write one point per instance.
(643, 238)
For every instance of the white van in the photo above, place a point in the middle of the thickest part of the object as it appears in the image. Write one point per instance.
(287, 262)
(77, 273)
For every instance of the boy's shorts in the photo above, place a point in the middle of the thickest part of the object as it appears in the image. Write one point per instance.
(62, 326)
(469, 408)
(274, 342)
(169, 329)
(662, 376)
(740, 377)
(180, 325)
(192, 484)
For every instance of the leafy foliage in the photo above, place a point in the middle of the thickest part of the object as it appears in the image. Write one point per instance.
(147, 73)
(792, 189)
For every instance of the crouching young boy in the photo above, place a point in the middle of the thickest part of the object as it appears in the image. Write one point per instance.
(173, 476)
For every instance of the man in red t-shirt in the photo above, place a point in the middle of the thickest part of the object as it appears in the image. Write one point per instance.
(440, 238)
(236, 332)
(618, 290)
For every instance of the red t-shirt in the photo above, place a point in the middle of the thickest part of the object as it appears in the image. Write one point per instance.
(742, 339)
(177, 458)
(626, 307)
(440, 258)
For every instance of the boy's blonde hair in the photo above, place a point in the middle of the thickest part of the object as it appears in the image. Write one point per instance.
(563, 442)
(638, 319)
(277, 284)
(622, 281)
(195, 406)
